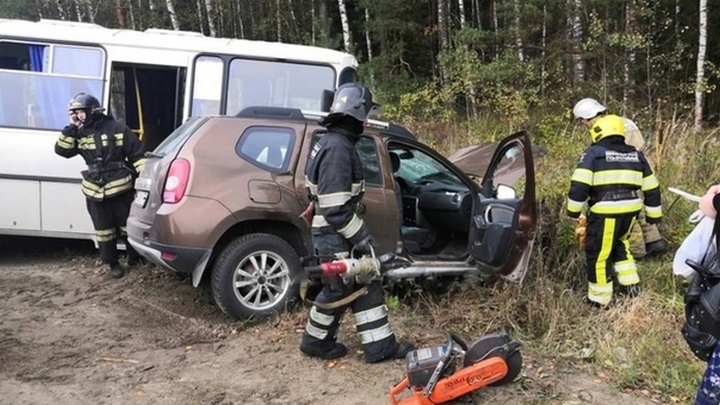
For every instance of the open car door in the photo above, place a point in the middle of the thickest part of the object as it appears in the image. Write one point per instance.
(504, 218)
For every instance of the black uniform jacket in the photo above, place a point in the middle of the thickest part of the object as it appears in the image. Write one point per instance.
(335, 182)
(112, 152)
(609, 176)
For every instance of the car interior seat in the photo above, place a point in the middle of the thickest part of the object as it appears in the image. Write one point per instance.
(414, 237)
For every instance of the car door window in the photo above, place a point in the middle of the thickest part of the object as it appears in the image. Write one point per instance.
(367, 151)
(417, 166)
(267, 147)
(510, 169)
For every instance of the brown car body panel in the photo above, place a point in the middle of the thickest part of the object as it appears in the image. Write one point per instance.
(223, 174)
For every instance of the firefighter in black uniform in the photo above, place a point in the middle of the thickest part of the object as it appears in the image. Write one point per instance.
(334, 179)
(114, 156)
(608, 177)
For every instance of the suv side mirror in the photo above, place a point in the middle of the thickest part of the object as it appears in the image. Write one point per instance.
(326, 100)
(505, 192)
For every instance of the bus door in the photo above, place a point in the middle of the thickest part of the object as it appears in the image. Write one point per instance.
(148, 99)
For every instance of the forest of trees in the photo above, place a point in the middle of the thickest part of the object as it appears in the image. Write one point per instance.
(504, 57)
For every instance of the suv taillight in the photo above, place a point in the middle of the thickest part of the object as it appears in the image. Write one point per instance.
(177, 181)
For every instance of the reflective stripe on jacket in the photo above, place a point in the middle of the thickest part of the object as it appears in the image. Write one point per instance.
(334, 181)
(112, 152)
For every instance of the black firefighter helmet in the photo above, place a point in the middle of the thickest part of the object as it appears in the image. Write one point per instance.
(353, 100)
(87, 102)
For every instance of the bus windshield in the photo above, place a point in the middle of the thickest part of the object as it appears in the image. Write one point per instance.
(259, 83)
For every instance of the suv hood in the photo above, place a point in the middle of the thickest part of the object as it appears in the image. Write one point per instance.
(474, 160)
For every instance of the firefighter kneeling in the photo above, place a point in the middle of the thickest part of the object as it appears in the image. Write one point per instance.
(608, 177)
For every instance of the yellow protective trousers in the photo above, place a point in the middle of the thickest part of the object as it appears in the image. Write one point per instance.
(608, 256)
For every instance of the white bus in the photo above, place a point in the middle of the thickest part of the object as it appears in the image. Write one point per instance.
(152, 81)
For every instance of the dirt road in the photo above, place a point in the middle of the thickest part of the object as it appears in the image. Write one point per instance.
(70, 335)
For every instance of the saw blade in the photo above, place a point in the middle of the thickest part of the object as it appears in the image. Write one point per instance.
(483, 346)
(685, 194)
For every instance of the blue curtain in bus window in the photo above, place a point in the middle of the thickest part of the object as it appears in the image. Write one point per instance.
(37, 56)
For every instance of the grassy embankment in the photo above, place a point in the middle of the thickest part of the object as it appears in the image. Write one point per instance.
(637, 343)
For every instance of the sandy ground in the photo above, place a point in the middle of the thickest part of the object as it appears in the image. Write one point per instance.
(71, 335)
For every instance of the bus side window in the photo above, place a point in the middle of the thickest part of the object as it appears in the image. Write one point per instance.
(207, 86)
(256, 92)
(38, 92)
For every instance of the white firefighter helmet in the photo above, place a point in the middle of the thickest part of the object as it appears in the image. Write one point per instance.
(588, 108)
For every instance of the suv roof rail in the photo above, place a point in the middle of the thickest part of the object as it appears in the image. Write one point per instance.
(400, 131)
(302, 115)
(320, 114)
(271, 112)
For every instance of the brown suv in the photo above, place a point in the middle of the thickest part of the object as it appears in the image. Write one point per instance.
(223, 195)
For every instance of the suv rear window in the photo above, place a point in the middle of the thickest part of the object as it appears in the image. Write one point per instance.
(267, 147)
(178, 137)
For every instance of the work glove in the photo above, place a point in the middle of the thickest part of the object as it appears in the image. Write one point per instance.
(365, 245)
(581, 232)
(71, 130)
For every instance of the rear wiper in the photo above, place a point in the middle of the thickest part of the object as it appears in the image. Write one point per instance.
(150, 154)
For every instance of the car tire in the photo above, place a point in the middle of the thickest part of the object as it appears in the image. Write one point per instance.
(256, 276)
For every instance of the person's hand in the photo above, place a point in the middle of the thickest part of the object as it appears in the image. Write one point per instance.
(74, 119)
(706, 202)
(366, 246)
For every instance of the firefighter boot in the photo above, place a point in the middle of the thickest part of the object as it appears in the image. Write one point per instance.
(116, 271)
(336, 351)
(403, 348)
(657, 247)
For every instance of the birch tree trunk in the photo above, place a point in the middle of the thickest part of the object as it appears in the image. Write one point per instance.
(495, 27)
(345, 26)
(173, 16)
(132, 15)
(575, 39)
(313, 22)
(442, 33)
(201, 22)
(278, 21)
(78, 12)
(91, 12)
(294, 21)
(60, 10)
(461, 11)
(700, 84)
(210, 18)
(542, 57)
(518, 30)
(240, 19)
(368, 43)
(630, 57)
(120, 13)
(442, 25)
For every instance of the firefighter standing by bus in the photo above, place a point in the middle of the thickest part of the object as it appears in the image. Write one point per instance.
(114, 156)
(608, 177)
